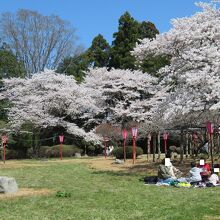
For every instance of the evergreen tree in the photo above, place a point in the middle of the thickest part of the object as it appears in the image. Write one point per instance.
(9, 65)
(124, 42)
(119, 56)
(75, 66)
(99, 52)
(129, 32)
(151, 64)
(147, 30)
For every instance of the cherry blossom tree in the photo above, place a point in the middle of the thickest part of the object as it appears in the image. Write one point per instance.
(124, 95)
(49, 99)
(193, 75)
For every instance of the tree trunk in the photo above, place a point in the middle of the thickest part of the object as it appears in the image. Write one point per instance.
(154, 145)
(218, 144)
(187, 144)
(33, 143)
(148, 147)
(158, 144)
(181, 146)
(190, 145)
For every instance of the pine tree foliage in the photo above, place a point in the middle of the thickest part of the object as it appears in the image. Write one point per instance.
(124, 41)
(129, 33)
(99, 52)
(9, 65)
(75, 66)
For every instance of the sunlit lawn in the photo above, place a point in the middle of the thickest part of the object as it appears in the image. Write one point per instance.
(102, 195)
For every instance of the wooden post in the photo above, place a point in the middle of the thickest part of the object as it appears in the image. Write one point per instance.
(134, 150)
(209, 142)
(4, 144)
(211, 149)
(61, 151)
(124, 148)
(61, 139)
(148, 146)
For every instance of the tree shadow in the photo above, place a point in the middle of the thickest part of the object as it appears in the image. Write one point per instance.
(115, 173)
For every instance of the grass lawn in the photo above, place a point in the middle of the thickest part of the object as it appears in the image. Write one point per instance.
(99, 194)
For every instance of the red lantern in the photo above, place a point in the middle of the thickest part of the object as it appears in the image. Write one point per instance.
(210, 127)
(4, 139)
(61, 138)
(149, 137)
(134, 132)
(124, 134)
(195, 136)
(165, 136)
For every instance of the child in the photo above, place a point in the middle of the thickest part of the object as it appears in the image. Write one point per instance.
(213, 179)
(194, 174)
(206, 169)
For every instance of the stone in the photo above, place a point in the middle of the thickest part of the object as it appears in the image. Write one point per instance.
(77, 155)
(117, 161)
(8, 185)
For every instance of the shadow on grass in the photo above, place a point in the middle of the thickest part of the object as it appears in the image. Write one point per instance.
(116, 173)
(150, 179)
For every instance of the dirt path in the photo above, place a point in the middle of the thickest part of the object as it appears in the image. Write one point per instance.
(26, 192)
(99, 163)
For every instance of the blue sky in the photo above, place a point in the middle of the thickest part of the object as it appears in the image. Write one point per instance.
(91, 17)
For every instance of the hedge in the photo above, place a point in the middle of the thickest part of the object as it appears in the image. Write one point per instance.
(54, 151)
(119, 152)
(11, 154)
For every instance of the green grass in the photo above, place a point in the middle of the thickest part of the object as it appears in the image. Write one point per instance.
(103, 195)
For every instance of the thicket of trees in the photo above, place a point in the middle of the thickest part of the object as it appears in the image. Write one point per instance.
(118, 54)
(179, 86)
(193, 74)
(38, 41)
(10, 66)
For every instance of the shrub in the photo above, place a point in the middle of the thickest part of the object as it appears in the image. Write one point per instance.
(67, 151)
(30, 153)
(11, 154)
(76, 150)
(54, 151)
(119, 152)
(98, 149)
(90, 150)
(43, 151)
